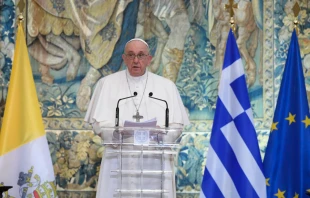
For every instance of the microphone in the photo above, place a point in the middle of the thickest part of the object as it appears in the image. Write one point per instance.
(117, 109)
(167, 109)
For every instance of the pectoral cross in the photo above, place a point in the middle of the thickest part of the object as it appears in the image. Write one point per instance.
(137, 117)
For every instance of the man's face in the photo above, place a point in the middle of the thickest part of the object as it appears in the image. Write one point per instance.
(136, 58)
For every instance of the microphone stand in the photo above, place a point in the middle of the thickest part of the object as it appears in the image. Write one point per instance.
(117, 108)
(167, 109)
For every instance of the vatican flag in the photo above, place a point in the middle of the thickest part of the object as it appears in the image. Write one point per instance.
(25, 161)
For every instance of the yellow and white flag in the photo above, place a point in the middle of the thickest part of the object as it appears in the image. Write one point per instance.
(25, 161)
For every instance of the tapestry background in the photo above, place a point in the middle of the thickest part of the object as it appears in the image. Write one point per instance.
(74, 43)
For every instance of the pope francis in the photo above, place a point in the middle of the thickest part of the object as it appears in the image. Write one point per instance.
(102, 112)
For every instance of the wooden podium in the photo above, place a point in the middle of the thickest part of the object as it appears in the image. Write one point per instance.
(4, 189)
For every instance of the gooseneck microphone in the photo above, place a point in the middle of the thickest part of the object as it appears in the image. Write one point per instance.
(167, 109)
(117, 109)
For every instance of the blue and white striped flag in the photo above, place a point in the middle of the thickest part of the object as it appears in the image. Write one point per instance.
(234, 165)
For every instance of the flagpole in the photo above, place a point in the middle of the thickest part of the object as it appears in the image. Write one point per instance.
(20, 20)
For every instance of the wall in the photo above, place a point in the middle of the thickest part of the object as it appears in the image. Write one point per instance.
(72, 46)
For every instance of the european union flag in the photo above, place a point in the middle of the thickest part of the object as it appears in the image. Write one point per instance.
(234, 165)
(286, 162)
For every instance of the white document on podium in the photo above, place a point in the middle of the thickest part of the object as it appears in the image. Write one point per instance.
(148, 123)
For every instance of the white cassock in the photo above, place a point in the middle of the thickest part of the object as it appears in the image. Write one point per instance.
(101, 113)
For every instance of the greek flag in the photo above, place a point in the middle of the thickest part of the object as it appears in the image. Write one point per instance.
(234, 165)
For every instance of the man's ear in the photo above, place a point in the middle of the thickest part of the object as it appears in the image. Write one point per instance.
(150, 58)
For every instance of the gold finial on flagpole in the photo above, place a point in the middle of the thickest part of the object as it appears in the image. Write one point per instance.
(296, 10)
(20, 18)
(230, 7)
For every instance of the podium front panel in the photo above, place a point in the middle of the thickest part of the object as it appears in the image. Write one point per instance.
(141, 170)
